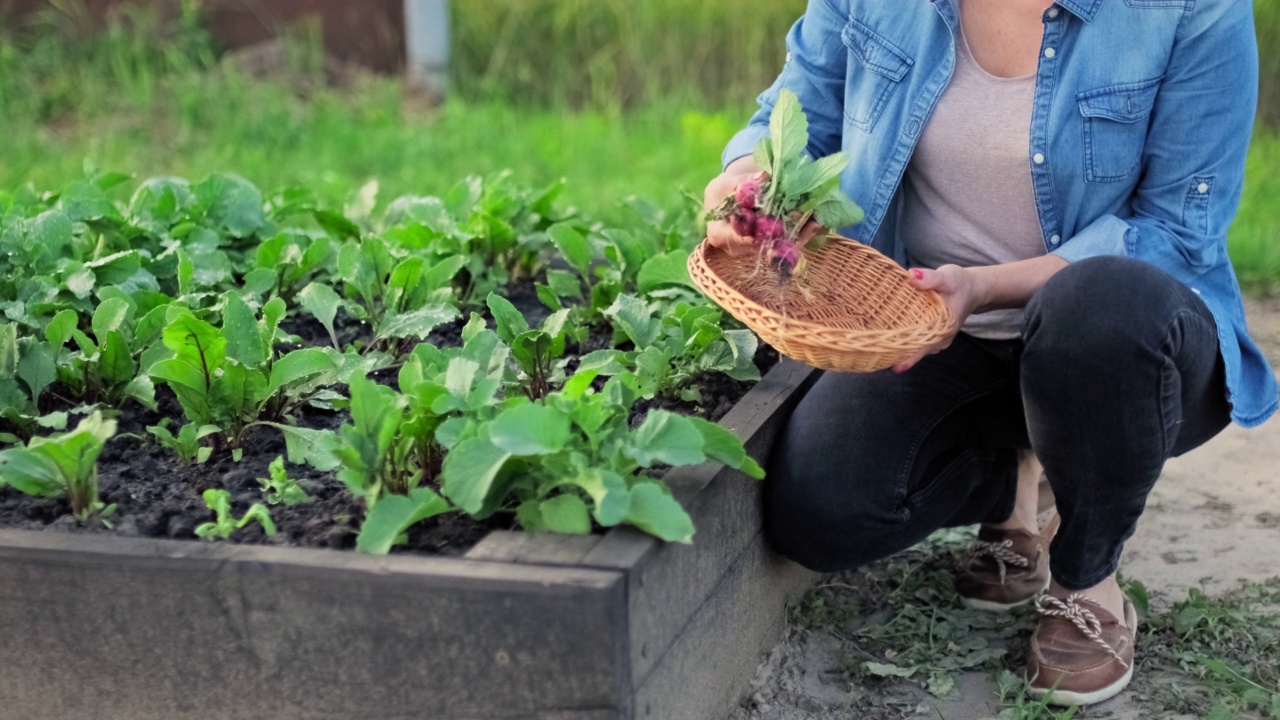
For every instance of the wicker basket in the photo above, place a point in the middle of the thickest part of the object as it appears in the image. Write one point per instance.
(857, 312)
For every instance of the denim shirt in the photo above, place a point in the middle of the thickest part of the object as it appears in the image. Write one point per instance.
(1141, 123)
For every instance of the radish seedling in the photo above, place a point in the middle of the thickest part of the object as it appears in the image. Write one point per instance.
(280, 488)
(63, 466)
(219, 501)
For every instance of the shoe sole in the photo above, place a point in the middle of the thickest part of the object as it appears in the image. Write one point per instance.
(992, 606)
(1063, 699)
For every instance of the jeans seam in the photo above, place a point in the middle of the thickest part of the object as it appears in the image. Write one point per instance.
(904, 476)
(1168, 442)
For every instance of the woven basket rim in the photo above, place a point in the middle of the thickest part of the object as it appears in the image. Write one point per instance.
(818, 327)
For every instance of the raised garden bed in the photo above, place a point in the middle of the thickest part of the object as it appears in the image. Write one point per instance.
(557, 627)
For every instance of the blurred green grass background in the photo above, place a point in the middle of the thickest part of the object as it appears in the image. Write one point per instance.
(621, 98)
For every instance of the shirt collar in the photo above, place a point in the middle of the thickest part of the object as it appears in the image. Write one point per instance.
(1084, 9)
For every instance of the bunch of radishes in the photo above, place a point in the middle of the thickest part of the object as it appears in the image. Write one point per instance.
(748, 218)
(795, 200)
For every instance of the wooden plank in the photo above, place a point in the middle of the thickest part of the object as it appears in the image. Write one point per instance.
(706, 672)
(668, 583)
(534, 548)
(118, 629)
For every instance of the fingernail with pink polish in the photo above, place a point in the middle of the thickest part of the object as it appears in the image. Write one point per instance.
(918, 273)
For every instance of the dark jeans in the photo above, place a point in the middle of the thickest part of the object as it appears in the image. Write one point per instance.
(1117, 371)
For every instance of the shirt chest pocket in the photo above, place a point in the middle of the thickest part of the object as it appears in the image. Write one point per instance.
(1116, 120)
(876, 69)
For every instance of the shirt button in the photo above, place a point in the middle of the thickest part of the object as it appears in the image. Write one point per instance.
(1038, 158)
(1050, 52)
(1053, 12)
(1204, 188)
(1055, 240)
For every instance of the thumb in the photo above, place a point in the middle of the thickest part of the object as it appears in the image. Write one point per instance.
(925, 279)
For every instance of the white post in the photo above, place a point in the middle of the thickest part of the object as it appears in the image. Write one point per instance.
(427, 43)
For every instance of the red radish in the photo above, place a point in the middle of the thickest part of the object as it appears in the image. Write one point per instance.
(769, 229)
(743, 221)
(787, 251)
(748, 194)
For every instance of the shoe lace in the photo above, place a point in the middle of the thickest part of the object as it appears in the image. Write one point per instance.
(1002, 553)
(1080, 616)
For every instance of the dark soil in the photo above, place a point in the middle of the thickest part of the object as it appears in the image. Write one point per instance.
(159, 496)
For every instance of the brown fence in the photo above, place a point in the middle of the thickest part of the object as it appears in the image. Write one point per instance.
(367, 32)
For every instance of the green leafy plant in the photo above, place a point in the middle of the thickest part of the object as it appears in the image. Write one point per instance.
(285, 260)
(25, 372)
(105, 369)
(628, 261)
(400, 297)
(280, 489)
(229, 377)
(561, 464)
(775, 206)
(494, 223)
(186, 444)
(225, 523)
(536, 352)
(373, 462)
(63, 466)
(382, 461)
(670, 351)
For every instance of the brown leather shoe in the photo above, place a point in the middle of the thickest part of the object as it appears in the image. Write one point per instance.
(1080, 654)
(1006, 568)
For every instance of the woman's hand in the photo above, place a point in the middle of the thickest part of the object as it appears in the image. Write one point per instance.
(719, 232)
(960, 289)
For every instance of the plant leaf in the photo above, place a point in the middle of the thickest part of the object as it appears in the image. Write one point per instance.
(888, 670)
(298, 365)
(322, 302)
(666, 269)
(470, 471)
(109, 316)
(788, 129)
(307, 446)
(510, 321)
(631, 315)
(718, 443)
(656, 512)
(566, 514)
(393, 515)
(240, 328)
(573, 246)
(665, 437)
(531, 429)
(608, 491)
(418, 323)
(36, 368)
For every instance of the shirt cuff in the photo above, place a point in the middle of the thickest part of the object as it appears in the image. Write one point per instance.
(743, 144)
(1108, 235)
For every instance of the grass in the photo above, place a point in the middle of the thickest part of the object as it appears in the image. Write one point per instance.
(619, 53)
(1254, 240)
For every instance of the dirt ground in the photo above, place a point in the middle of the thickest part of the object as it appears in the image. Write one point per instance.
(1212, 522)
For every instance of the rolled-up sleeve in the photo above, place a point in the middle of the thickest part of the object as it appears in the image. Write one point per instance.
(815, 71)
